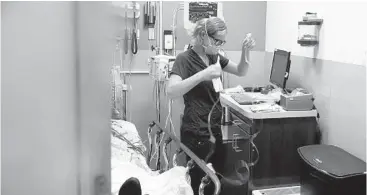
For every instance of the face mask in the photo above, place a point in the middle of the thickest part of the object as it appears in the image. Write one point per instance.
(211, 50)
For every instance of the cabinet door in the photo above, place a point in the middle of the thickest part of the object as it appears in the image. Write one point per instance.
(232, 157)
(277, 145)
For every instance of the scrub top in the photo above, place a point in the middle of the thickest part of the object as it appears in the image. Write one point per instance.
(201, 98)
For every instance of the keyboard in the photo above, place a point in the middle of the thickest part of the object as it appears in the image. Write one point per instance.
(244, 99)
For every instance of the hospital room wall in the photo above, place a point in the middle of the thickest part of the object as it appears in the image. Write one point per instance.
(39, 152)
(96, 29)
(56, 58)
(335, 73)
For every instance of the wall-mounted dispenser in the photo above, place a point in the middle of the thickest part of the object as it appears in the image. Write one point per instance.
(309, 29)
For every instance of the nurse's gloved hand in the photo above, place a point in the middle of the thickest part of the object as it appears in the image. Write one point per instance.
(213, 71)
(248, 43)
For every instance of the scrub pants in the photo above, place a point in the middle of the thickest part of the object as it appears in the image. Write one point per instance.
(200, 145)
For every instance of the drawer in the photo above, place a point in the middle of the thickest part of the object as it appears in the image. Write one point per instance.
(247, 125)
(240, 120)
(235, 115)
(236, 129)
(231, 133)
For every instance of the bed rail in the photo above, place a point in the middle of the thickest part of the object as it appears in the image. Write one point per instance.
(199, 162)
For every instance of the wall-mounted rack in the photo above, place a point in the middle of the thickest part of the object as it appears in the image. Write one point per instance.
(309, 30)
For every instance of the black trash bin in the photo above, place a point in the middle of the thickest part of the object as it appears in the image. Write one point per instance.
(329, 170)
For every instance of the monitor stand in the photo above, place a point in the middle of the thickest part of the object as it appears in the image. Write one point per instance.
(284, 91)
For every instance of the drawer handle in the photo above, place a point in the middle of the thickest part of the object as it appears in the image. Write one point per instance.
(234, 144)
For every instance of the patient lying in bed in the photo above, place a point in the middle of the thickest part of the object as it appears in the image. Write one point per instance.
(128, 163)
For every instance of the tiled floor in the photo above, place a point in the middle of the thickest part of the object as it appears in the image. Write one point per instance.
(294, 190)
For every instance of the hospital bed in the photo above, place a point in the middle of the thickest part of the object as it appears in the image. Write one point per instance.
(128, 160)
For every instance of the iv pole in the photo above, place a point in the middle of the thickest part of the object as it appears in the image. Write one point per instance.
(160, 27)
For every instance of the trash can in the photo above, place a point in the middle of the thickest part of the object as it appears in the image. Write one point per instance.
(327, 169)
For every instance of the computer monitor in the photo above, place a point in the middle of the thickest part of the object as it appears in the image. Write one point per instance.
(280, 68)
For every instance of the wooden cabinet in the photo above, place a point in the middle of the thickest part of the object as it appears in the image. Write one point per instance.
(274, 149)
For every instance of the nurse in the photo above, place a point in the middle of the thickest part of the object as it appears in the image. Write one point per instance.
(191, 77)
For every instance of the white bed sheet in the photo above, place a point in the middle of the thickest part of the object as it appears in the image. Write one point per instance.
(127, 162)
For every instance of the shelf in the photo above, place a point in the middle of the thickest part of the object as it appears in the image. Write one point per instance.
(307, 42)
(135, 72)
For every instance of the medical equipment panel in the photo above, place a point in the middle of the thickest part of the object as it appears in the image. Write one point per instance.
(168, 40)
(160, 66)
(194, 11)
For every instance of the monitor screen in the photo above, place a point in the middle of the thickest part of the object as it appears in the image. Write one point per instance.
(280, 68)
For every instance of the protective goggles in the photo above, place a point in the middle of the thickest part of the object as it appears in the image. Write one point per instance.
(217, 42)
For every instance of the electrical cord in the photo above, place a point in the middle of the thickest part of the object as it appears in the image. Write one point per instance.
(212, 150)
(243, 175)
(155, 148)
(150, 143)
(134, 38)
(158, 141)
(252, 137)
(156, 138)
(180, 7)
(158, 163)
(245, 164)
(169, 116)
(212, 147)
(212, 139)
(165, 153)
(123, 138)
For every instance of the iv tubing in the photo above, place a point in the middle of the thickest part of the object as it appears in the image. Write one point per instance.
(174, 27)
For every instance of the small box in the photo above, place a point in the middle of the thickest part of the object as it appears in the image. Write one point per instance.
(296, 103)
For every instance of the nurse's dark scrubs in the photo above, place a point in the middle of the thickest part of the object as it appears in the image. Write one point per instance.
(198, 103)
